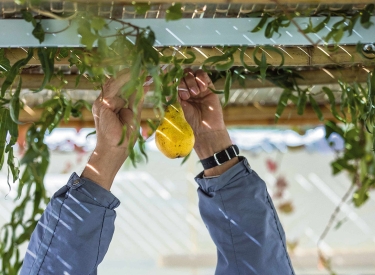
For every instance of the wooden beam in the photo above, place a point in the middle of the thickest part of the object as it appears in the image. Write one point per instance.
(233, 115)
(263, 2)
(34, 81)
(294, 56)
(265, 115)
(313, 77)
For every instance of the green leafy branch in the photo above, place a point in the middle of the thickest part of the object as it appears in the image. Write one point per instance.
(272, 23)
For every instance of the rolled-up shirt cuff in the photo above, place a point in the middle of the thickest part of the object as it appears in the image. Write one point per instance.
(216, 183)
(94, 191)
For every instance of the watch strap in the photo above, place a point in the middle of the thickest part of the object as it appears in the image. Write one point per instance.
(220, 157)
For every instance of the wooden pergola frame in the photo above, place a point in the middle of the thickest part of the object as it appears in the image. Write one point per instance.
(280, 2)
(233, 116)
(317, 56)
(294, 56)
(326, 76)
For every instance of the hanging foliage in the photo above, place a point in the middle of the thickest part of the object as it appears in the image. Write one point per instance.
(133, 47)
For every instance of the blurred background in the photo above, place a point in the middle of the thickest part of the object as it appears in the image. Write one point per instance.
(159, 230)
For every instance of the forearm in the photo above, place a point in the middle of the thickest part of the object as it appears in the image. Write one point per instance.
(74, 232)
(243, 223)
(104, 164)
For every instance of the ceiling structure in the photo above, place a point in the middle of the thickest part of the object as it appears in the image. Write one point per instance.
(253, 104)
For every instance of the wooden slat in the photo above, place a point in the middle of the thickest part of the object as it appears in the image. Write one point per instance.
(233, 115)
(327, 76)
(294, 56)
(34, 81)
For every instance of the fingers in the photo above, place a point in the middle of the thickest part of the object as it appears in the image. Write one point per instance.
(111, 92)
(190, 82)
(113, 85)
(194, 84)
(203, 80)
(184, 90)
(114, 104)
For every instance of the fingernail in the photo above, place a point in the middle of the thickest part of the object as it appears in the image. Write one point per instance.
(184, 95)
(193, 91)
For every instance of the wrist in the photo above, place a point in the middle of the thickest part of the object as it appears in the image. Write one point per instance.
(209, 143)
(104, 164)
(218, 170)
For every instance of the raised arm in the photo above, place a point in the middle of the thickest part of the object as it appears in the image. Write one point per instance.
(74, 232)
(233, 200)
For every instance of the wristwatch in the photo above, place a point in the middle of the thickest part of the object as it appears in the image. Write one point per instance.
(220, 157)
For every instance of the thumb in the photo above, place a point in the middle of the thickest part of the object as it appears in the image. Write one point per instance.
(188, 110)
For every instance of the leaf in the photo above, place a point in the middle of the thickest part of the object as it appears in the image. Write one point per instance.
(38, 32)
(222, 62)
(263, 66)
(142, 146)
(123, 135)
(174, 12)
(14, 106)
(91, 134)
(276, 50)
(142, 8)
(242, 57)
(29, 156)
(371, 84)
(318, 27)
(191, 59)
(216, 91)
(283, 102)
(331, 127)
(361, 195)
(47, 60)
(146, 45)
(12, 166)
(227, 85)
(262, 63)
(28, 16)
(269, 30)
(185, 158)
(261, 23)
(342, 164)
(316, 107)
(302, 99)
(14, 71)
(3, 133)
(366, 16)
(87, 37)
(340, 223)
(98, 23)
(67, 112)
(4, 62)
(332, 101)
(340, 33)
(225, 66)
(62, 53)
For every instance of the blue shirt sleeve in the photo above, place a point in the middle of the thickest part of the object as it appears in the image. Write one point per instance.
(243, 223)
(74, 232)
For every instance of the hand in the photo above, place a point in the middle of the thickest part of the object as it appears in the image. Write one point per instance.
(204, 113)
(111, 113)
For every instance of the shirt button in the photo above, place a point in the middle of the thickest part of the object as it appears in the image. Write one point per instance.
(75, 182)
